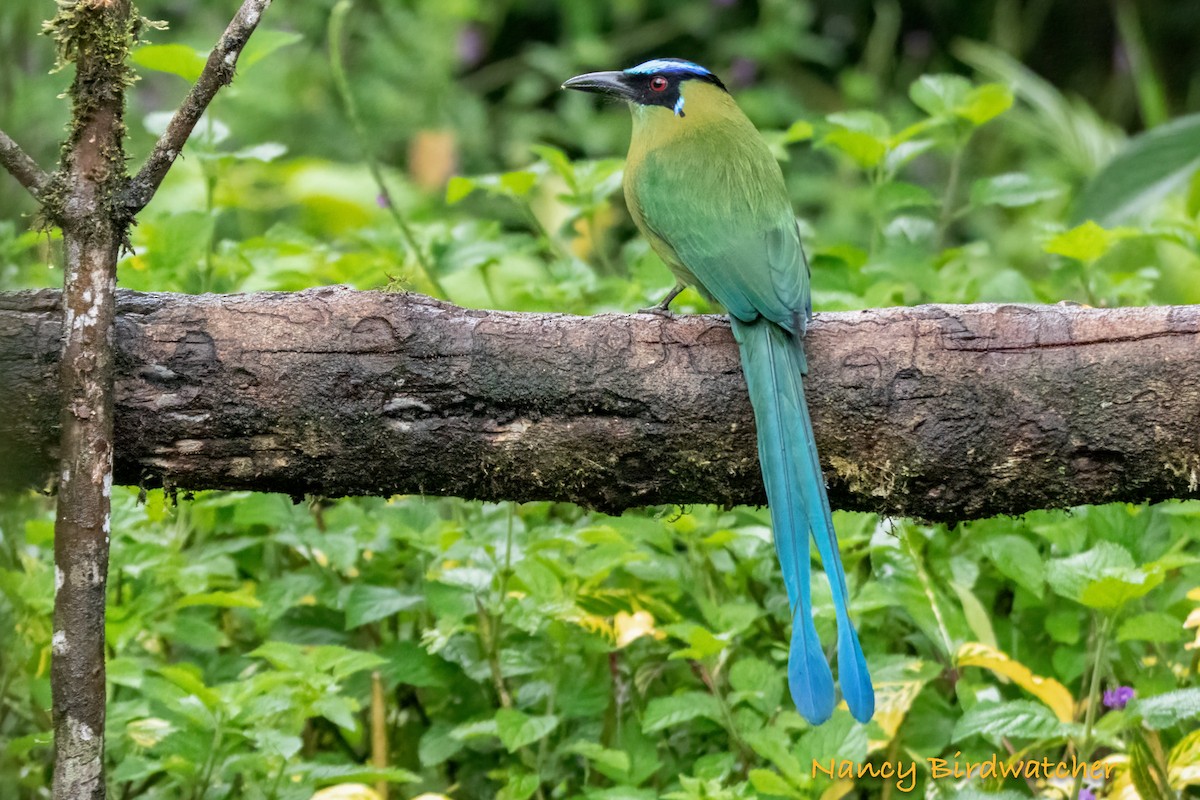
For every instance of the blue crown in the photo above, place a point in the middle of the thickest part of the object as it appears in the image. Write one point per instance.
(669, 65)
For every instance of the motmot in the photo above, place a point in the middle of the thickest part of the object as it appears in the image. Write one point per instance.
(703, 187)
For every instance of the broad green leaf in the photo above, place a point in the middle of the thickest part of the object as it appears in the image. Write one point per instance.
(1019, 719)
(1017, 558)
(771, 783)
(243, 598)
(1070, 576)
(613, 764)
(458, 188)
(518, 183)
(862, 135)
(799, 131)
(1151, 166)
(438, 745)
(1065, 625)
(177, 59)
(667, 712)
(939, 94)
(263, 43)
(1153, 626)
(325, 774)
(185, 677)
(516, 730)
(894, 196)
(1086, 242)
(984, 103)
(366, 603)
(1113, 591)
(1014, 189)
(775, 746)
(521, 785)
(408, 663)
(1165, 710)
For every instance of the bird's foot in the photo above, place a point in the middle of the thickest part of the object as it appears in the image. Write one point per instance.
(663, 309)
(659, 311)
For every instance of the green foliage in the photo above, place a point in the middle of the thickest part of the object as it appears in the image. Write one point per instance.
(541, 650)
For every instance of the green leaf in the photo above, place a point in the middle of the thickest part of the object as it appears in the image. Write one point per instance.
(614, 764)
(516, 730)
(1086, 242)
(521, 785)
(177, 59)
(243, 598)
(1165, 710)
(772, 783)
(438, 745)
(458, 188)
(263, 43)
(185, 677)
(327, 774)
(1064, 625)
(1113, 591)
(1014, 189)
(1151, 166)
(1070, 576)
(985, 103)
(1020, 719)
(862, 135)
(799, 131)
(518, 183)
(366, 603)
(895, 196)
(1017, 558)
(939, 94)
(1153, 626)
(667, 712)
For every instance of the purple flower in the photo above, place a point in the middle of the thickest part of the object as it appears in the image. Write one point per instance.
(1119, 697)
(1086, 794)
(743, 71)
(471, 45)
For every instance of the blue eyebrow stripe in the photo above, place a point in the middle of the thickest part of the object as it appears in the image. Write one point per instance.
(668, 65)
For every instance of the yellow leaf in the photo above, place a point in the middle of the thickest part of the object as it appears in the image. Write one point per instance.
(892, 702)
(1048, 690)
(838, 790)
(347, 791)
(631, 627)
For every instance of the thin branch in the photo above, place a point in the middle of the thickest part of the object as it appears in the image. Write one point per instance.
(218, 72)
(21, 166)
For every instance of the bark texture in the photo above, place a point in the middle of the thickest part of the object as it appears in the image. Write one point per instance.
(95, 35)
(940, 412)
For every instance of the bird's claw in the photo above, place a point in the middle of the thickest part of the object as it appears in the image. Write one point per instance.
(658, 311)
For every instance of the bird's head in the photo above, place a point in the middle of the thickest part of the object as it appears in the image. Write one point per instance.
(669, 83)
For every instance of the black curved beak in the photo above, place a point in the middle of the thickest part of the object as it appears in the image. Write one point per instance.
(610, 83)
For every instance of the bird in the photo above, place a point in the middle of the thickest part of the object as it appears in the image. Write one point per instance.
(704, 189)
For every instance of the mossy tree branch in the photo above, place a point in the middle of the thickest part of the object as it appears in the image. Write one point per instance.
(20, 165)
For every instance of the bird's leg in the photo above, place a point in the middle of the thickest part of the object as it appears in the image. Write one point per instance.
(663, 309)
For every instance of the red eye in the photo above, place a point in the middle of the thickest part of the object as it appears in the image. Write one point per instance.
(658, 83)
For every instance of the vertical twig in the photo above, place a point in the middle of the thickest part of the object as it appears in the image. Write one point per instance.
(341, 83)
(379, 736)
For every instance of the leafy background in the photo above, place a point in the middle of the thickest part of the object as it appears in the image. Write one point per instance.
(948, 152)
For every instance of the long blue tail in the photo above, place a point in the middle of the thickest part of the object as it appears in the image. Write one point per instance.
(774, 365)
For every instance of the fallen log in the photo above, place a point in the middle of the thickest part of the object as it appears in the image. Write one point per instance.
(938, 412)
